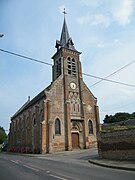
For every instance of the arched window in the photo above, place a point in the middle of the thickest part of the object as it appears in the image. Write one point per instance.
(90, 126)
(58, 67)
(34, 120)
(71, 66)
(41, 116)
(57, 126)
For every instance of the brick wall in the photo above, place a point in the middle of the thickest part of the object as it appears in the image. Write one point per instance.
(118, 144)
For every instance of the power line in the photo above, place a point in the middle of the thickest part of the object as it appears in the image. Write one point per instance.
(112, 81)
(85, 74)
(115, 72)
(25, 57)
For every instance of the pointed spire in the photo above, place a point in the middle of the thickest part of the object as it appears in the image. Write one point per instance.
(65, 39)
(64, 34)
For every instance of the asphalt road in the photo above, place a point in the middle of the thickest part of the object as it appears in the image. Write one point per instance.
(63, 166)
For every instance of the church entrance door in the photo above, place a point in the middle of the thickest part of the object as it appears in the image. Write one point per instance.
(75, 140)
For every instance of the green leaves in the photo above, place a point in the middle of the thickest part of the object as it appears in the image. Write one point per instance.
(3, 135)
(118, 117)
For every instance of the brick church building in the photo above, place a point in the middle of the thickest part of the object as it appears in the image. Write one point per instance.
(64, 116)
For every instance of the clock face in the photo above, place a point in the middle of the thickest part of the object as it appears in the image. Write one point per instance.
(73, 85)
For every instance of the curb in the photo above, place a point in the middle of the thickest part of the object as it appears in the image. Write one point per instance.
(111, 166)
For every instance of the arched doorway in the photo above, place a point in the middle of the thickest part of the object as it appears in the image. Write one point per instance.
(76, 134)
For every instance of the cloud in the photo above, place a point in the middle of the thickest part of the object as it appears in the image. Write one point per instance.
(123, 11)
(94, 20)
(100, 19)
(84, 19)
(90, 3)
(119, 12)
(127, 93)
(114, 43)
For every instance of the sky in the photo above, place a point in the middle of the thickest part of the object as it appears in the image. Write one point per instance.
(103, 30)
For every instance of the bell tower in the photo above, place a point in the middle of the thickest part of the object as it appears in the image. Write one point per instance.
(66, 63)
(66, 59)
(78, 101)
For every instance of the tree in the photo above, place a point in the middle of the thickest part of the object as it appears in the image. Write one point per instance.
(121, 116)
(3, 135)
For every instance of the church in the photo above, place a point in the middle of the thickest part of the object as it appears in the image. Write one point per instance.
(63, 116)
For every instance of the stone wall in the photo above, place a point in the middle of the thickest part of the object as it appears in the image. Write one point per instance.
(118, 144)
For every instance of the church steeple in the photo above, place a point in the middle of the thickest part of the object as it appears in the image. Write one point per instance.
(64, 34)
(65, 39)
(66, 59)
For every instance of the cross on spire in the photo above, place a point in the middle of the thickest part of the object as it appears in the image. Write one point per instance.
(64, 12)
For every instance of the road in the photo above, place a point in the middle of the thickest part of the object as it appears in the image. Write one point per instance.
(60, 166)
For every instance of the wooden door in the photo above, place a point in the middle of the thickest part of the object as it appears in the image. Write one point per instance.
(75, 140)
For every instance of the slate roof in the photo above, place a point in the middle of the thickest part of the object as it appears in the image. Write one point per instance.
(65, 39)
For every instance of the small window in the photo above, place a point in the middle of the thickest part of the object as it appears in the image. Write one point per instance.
(74, 107)
(78, 107)
(69, 71)
(57, 126)
(69, 58)
(90, 126)
(69, 66)
(34, 121)
(73, 60)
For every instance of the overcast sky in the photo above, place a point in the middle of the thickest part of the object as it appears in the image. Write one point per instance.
(103, 30)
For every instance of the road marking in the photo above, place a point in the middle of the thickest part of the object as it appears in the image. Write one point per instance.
(16, 162)
(58, 177)
(63, 178)
(69, 177)
(30, 167)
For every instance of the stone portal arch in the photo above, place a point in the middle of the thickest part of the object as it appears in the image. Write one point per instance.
(77, 136)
